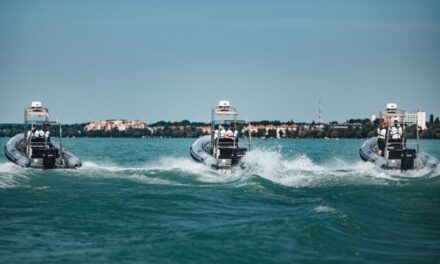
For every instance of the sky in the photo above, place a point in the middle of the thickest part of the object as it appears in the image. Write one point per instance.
(173, 60)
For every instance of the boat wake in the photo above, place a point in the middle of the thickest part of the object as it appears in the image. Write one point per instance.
(261, 165)
(12, 176)
(167, 171)
(302, 171)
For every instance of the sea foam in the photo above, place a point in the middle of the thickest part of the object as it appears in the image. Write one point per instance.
(12, 176)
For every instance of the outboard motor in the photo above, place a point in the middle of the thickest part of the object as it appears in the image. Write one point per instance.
(49, 158)
(237, 154)
(407, 161)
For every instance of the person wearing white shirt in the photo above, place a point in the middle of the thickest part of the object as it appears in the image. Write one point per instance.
(46, 130)
(32, 133)
(222, 132)
(232, 132)
(40, 133)
(30, 136)
(381, 134)
(396, 131)
(229, 133)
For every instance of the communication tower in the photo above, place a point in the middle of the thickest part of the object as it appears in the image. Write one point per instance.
(319, 112)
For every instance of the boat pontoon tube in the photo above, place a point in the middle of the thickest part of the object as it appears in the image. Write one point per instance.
(368, 152)
(199, 151)
(13, 153)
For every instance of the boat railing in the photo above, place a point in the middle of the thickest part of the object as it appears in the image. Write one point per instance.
(399, 144)
(38, 143)
(224, 114)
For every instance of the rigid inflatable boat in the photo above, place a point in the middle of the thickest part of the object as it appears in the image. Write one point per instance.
(396, 154)
(396, 159)
(221, 149)
(36, 149)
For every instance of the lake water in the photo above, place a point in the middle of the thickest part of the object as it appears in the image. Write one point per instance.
(145, 200)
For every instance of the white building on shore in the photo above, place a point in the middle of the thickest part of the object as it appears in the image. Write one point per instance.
(418, 117)
(121, 125)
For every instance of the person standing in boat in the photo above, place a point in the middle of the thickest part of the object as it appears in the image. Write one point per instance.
(46, 131)
(30, 136)
(229, 132)
(33, 132)
(47, 142)
(215, 131)
(222, 131)
(40, 133)
(396, 132)
(232, 132)
(381, 134)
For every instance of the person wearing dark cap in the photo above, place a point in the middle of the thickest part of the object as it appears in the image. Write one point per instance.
(396, 131)
(46, 131)
(381, 134)
(33, 132)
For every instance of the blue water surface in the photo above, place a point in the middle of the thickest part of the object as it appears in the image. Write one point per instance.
(145, 200)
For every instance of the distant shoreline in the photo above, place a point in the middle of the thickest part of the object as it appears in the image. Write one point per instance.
(351, 129)
(261, 139)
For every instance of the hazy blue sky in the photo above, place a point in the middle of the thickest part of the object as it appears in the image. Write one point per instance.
(174, 60)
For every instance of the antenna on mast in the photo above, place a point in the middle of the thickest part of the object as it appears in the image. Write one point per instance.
(319, 112)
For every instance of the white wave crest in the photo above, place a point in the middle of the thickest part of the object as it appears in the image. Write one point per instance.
(150, 172)
(12, 176)
(301, 171)
(269, 164)
(110, 170)
(298, 171)
(202, 172)
(324, 209)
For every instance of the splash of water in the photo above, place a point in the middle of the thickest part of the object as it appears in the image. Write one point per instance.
(268, 164)
(324, 209)
(153, 171)
(301, 171)
(12, 176)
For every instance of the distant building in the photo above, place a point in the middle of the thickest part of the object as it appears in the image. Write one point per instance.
(339, 126)
(416, 117)
(280, 129)
(120, 125)
(392, 113)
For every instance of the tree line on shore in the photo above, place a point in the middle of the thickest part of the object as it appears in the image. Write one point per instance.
(353, 128)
